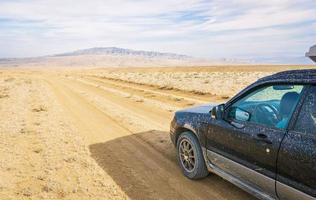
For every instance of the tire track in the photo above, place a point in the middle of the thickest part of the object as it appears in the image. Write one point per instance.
(147, 88)
(116, 103)
(126, 154)
(129, 95)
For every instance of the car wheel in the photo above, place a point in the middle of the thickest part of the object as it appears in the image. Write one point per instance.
(190, 156)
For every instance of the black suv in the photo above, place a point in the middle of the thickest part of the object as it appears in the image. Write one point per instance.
(262, 140)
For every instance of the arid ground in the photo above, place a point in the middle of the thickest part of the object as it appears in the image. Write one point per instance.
(103, 133)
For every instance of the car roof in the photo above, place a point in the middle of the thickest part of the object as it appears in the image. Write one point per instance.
(307, 76)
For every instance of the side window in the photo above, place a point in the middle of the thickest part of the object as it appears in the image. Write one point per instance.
(269, 105)
(306, 121)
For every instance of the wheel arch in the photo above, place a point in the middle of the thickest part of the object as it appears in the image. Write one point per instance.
(186, 128)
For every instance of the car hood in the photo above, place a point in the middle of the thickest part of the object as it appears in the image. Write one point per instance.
(205, 108)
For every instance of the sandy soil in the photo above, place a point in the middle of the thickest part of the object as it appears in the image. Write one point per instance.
(42, 156)
(76, 134)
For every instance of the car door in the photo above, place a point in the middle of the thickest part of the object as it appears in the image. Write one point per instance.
(246, 145)
(297, 156)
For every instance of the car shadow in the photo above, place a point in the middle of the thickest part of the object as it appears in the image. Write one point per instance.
(144, 165)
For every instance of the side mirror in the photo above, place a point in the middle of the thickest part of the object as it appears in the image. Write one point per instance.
(217, 112)
(242, 115)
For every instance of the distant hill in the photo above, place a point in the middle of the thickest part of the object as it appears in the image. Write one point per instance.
(114, 51)
(113, 57)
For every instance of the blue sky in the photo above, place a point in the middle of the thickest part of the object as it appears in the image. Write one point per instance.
(271, 31)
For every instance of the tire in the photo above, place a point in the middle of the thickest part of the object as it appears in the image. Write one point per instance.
(192, 165)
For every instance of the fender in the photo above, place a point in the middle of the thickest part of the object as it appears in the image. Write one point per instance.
(189, 127)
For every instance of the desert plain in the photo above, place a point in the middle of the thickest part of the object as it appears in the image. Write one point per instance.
(104, 133)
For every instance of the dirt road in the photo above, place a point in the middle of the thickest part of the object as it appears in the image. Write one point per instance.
(124, 127)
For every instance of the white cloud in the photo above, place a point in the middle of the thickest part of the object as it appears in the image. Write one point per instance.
(237, 28)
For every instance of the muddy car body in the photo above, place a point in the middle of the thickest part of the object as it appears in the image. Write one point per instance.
(262, 140)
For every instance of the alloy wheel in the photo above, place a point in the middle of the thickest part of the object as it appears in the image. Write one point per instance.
(187, 156)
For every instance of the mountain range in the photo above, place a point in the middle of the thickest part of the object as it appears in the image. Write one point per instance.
(112, 57)
(115, 51)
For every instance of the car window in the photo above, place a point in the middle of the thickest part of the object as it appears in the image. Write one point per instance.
(270, 105)
(306, 121)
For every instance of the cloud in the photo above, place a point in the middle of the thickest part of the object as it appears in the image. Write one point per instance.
(214, 28)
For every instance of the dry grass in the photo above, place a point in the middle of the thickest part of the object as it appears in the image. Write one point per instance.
(4, 96)
(222, 84)
(220, 81)
(39, 109)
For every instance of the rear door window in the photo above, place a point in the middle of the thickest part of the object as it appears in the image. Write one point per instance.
(306, 121)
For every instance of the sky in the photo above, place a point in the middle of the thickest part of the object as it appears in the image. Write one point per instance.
(270, 31)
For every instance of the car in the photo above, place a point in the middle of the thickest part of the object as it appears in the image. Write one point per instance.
(263, 139)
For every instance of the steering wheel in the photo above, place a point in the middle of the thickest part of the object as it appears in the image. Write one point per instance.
(266, 114)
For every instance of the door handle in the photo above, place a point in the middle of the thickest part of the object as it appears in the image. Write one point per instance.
(263, 138)
(237, 125)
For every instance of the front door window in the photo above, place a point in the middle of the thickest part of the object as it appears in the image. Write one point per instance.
(270, 106)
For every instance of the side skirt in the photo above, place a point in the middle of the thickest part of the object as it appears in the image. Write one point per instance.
(287, 192)
(233, 179)
(239, 176)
